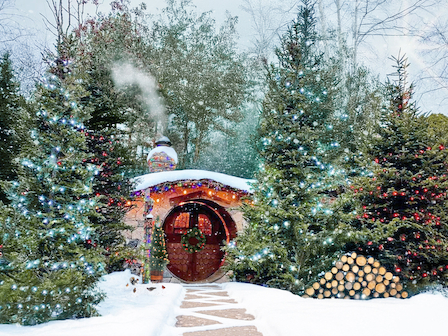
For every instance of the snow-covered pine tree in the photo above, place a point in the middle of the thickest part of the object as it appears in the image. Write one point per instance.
(292, 234)
(402, 212)
(51, 270)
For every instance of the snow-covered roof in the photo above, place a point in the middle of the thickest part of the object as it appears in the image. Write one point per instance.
(167, 150)
(153, 179)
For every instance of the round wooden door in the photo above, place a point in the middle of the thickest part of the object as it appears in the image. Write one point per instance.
(199, 265)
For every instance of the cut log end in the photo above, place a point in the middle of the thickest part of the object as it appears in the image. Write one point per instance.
(361, 261)
(310, 291)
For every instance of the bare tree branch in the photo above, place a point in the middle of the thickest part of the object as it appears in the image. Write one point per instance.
(67, 15)
(11, 29)
(268, 20)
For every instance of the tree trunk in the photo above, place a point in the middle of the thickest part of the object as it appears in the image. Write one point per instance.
(355, 36)
(338, 12)
(197, 147)
(323, 24)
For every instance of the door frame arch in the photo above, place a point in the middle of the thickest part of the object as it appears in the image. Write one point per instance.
(226, 222)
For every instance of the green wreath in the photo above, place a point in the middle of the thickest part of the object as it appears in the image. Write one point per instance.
(193, 240)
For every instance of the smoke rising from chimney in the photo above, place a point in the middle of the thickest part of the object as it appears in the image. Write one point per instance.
(126, 74)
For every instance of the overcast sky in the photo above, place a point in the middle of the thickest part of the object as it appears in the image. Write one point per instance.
(374, 54)
(33, 10)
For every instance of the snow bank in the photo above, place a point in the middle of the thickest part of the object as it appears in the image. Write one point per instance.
(123, 312)
(277, 313)
(280, 313)
(153, 179)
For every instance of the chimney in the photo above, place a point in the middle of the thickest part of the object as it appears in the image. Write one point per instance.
(163, 157)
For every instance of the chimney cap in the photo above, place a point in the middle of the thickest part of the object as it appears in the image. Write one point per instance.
(163, 141)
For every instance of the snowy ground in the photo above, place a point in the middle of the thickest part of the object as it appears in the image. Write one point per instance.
(277, 313)
(143, 313)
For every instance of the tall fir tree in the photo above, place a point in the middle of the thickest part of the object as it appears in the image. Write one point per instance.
(402, 213)
(110, 125)
(113, 188)
(103, 44)
(234, 155)
(51, 269)
(12, 121)
(292, 234)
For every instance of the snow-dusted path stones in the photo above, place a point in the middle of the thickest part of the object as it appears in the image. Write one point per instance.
(207, 310)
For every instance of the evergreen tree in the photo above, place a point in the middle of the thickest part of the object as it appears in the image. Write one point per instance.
(96, 47)
(293, 234)
(359, 101)
(99, 46)
(158, 258)
(234, 155)
(113, 188)
(102, 44)
(438, 128)
(402, 215)
(46, 233)
(11, 122)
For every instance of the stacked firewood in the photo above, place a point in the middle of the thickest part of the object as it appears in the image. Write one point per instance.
(357, 277)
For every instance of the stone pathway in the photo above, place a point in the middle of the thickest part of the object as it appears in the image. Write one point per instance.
(210, 311)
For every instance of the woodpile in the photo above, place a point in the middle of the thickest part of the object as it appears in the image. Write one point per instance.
(357, 277)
